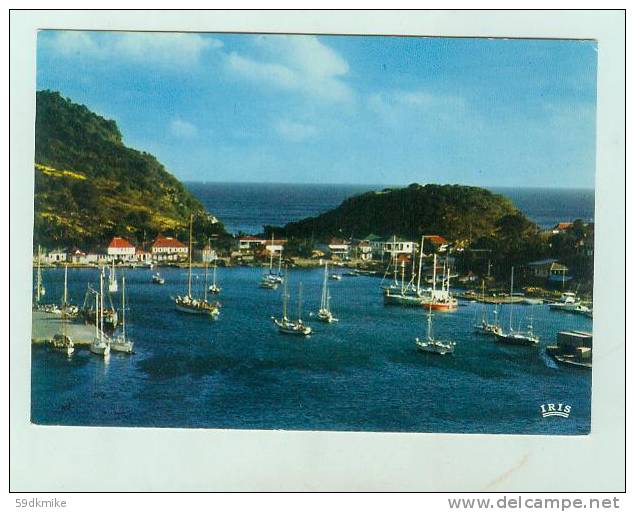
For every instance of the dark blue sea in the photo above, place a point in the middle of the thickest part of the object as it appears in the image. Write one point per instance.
(246, 207)
(362, 373)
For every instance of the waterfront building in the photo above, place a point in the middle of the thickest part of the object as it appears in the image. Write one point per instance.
(339, 248)
(254, 243)
(78, 257)
(168, 248)
(396, 245)
(364, 251)
(120, 249)
(550, 269)
(56, 256)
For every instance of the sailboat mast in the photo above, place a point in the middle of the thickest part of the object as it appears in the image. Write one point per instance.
(96, 315)
(300, 301)
(101, 305)
(434, 274)
(189, 253)
(65, 301)
(511, 303)
(205, 292)
(324, 304)
(280, 262)
(403, 272)
(271, 255)
(285, 297)
(430, 322)
(419, 271)
(123, 306)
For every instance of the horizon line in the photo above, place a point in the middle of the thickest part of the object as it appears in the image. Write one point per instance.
(384, 185)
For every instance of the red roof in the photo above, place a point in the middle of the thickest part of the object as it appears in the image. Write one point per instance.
(167, 241)
(563, 225)
(436, 239)
(120, 243)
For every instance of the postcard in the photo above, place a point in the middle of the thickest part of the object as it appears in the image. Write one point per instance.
(313, 232)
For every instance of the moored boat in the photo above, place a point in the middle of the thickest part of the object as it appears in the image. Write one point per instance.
(286, 326)
(121, 343)
(324, 314)
(516, 337)
(431, 345)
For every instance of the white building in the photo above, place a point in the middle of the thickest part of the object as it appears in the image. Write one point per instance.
(339, 248)
(168, 248)
(120, 249)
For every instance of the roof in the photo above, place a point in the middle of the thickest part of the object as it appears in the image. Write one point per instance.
(373, 238)
(120, 243)
(436, 239)
(167, 241)
(338, 241)
(563, 225)
(558, 266)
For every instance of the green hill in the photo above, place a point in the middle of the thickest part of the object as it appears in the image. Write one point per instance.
(89, 186)
(453, 211)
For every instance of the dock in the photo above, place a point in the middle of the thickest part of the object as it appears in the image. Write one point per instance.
(46, 325)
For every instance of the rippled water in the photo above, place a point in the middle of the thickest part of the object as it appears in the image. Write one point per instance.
(362, 373)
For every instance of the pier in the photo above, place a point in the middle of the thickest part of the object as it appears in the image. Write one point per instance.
(46, 325)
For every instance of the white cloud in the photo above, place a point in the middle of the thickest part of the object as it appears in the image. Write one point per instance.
(166, 49)
(295, 63)
(183, 129)
(294, 131)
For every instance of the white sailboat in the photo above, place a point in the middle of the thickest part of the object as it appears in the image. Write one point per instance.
(484, 327)
(189, 304)
(62, 342)
(270, 280)
(286, 326)
(325, 314)
(100, 344)
(408, 294)
(513, 337)
(432, 345)
(157, 279)
(121, 343)
(112, 279)
(214, 288)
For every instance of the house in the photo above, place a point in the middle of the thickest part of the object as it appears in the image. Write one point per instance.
(376, 244)
(78, 257)
(549, 268)
(254, 243)
(396, 245)
(56, 256)
(364, 251)
(120, 249)
(339, 248)
(168, 248)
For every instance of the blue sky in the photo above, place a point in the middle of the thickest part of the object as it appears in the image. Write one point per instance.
(339, 109)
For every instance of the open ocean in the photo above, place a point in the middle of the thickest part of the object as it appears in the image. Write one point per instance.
(247, 207)
(362, 373)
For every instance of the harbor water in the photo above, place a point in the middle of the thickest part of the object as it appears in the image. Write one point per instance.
(362, 373)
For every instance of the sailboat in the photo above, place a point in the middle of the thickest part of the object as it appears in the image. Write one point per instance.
(516, 337)
(112, 279)
(407, 294)
(432, 345)
(121, 343)
(325, 314)
(187, 303)
(157, 279)
(62, 342)
(213, 288)
(286, 326)
(270, 281)
(484, 327)
(100, 344)
(441, 300)
(40, 291)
